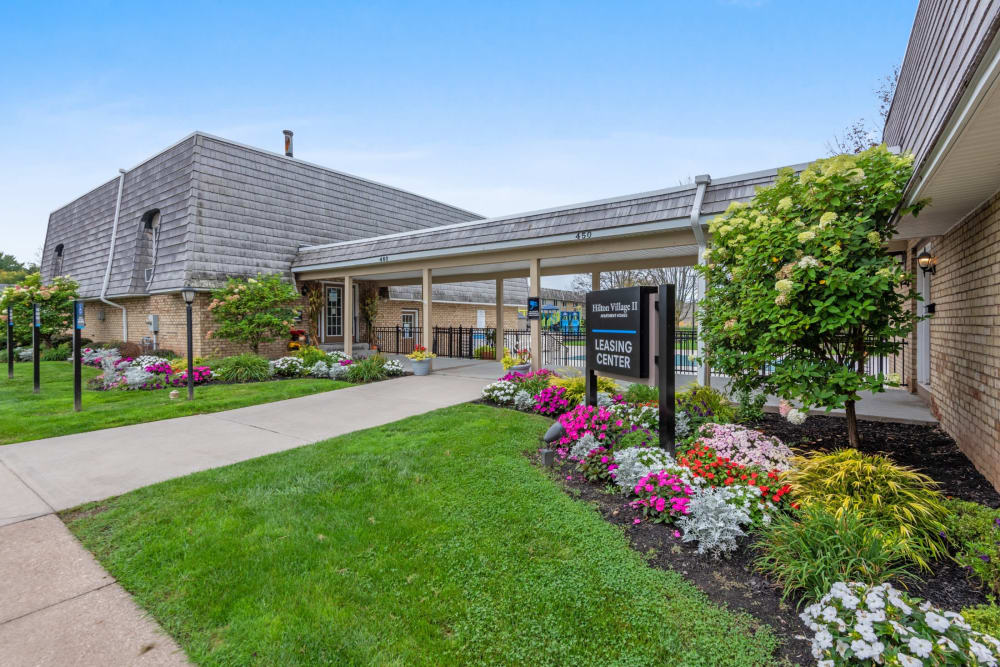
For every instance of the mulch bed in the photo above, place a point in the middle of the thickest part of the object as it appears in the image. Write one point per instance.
(732, 581)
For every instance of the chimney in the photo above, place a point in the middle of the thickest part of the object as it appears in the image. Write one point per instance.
(288, 142)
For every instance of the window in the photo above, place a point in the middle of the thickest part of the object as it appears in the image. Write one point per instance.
(410, 321)
(57, 261)
(146, 248)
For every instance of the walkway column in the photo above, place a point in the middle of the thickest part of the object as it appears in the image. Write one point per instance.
(428, 328)
(499, 316)
(704, 369)
(595, 281)
(347, 316)
(535, 289)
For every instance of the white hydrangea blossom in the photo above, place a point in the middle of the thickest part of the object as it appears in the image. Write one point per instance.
(879, 622)
(796, 416)
(500, 392)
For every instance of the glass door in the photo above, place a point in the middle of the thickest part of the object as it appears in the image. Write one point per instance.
(334, 320)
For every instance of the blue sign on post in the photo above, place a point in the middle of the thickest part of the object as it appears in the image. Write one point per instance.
(78, 322)
(10, 315)
(38, 316)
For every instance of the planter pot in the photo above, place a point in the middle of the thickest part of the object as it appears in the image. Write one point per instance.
(422, 367)
(520, 368)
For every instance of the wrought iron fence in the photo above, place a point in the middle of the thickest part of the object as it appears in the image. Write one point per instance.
(874, 365)
(398, 339)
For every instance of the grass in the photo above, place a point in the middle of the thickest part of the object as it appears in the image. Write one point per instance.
(432, 540)
(26, 416)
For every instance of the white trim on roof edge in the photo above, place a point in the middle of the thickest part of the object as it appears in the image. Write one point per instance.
(668, 224)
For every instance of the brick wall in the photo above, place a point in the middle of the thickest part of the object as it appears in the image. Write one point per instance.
(965, 337)
(173, 325)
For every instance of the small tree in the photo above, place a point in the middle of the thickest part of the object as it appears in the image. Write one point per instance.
(253, 310)
(800, 289)
(56, 301)
(369, 311)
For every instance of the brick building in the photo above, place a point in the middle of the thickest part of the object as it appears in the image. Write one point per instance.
(946, 111)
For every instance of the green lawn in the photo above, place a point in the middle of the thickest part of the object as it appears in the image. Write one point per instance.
(26, 416)
(432, 540)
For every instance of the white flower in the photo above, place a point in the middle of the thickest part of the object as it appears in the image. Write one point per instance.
(796, 416)
(920, 647)
(909, 660)
(937, 622)
(899, 628)
(829, 614)
(982, 653)
(825, 663)
(944, 641)
(864, 651)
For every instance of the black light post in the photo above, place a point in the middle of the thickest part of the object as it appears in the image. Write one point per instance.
(10, 342)
(78, 325)
(666, 367)
(36, 330)
(188, 294)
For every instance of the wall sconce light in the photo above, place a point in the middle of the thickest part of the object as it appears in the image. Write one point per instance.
(927, 262)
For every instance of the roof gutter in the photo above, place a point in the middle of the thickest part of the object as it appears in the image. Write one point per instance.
(702, 182)
(111, 257)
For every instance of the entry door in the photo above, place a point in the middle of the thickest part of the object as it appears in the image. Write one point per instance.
(924, 327)
(408, 319)
(333, 321)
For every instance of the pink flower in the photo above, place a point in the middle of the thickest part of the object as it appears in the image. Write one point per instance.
(677, 533)
(636, 520)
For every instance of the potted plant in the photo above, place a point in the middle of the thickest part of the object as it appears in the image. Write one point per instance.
(520, 361)
(421, 360)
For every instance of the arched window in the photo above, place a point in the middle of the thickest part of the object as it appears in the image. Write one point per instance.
(57, 261)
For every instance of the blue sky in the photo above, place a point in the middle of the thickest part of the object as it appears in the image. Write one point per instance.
(495, 107)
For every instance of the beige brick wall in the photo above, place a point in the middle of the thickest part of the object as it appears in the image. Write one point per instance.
(965, 337)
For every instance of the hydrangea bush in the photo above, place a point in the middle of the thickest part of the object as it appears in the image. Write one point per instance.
(861, 624)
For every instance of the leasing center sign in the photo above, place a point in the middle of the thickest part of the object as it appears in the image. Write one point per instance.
(618, 331)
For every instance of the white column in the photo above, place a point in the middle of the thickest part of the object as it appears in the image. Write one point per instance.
(704, 370)
(595, 281)
(428, 324)
(535, 289)
(499, 316)
(347, 315)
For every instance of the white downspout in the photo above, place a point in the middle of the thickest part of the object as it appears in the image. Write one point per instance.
(111, 257)
(702, 181)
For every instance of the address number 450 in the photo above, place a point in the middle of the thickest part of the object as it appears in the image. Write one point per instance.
(582, 236)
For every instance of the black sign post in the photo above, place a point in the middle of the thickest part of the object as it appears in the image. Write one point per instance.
(10, 342)
(36, 334)
(619, 340)
(78, 324)
(666, 361)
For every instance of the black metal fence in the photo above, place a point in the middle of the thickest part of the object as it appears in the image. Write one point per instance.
(398, 339)
(874, 365)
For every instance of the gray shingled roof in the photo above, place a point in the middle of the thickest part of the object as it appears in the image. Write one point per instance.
(225, 209)
(619, 212)
(947, 44)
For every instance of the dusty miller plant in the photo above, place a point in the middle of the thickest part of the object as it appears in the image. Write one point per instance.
(715, 522)
(800, 274)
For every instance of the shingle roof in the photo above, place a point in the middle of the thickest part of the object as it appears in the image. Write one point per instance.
(226, 209)
(618, 212)
(947, 43)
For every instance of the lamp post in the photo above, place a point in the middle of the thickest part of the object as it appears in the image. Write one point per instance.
(10, 342)
(188, 294)
(36, 333)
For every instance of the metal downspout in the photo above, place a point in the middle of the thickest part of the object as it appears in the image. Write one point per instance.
(702, 181)
(111, 257)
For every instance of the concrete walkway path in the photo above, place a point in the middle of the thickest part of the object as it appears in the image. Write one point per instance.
(58, 606)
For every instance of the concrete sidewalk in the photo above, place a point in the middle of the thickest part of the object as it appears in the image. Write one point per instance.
(57, 604)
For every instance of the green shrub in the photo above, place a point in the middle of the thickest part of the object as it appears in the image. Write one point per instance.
(243, 368)
(814, 548)
(750, 408)
(974, 532)
(983, 618)
(166, 353)
(642, 393)
(369, 369)
(899, 502)
(310, 355)
(60, 352)
(576, 388)
(705, 404)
